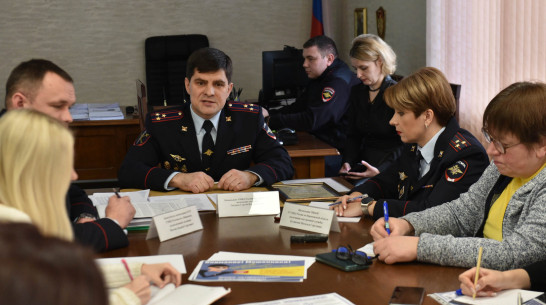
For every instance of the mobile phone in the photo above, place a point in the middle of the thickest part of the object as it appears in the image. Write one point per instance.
(358, 168)
(407, 296)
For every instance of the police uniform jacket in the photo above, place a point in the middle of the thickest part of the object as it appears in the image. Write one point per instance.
(321, 108)
(169, 144)
(102, 234)
(370, 137)
(459, 161)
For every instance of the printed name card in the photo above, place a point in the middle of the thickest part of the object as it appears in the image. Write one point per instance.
(309, 218)
(175, 223)
(248, 204)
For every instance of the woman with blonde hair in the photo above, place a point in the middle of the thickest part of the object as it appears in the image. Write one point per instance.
(36, 167)
(34, 179)
(372, 144)
(439, 161)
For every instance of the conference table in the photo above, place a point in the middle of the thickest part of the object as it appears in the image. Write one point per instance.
(261, 234)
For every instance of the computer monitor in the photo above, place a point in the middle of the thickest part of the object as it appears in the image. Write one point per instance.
(283, 75)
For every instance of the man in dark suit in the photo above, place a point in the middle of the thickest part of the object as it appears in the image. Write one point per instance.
(43, 86)
(191, 146)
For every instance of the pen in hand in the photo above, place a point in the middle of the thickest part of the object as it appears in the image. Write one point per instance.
(386, 213)
(350, 199)
(477, 271)
(124, 262)
(116, 192)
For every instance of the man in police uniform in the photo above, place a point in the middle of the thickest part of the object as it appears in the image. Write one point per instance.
(43, 86)
(321, 107)
(191, 146)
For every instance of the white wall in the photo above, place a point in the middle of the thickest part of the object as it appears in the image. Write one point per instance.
(101, 43)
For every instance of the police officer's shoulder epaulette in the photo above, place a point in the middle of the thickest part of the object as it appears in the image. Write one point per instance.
(459, 142)
(243, 107)
(166, 115)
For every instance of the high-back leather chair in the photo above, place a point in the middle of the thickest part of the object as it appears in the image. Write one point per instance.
(166, 58)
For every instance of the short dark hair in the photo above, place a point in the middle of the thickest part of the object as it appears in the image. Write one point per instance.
(28, 77)
(46, 270)
(520, 110)
(209, 60)
(324, 44)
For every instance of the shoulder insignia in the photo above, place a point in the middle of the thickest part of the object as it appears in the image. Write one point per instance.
(269, 132)
(167, 165)
(457, 171)
(243, 107)
(328, 94)
(177, 158)
(459, 142)
(239, 150)
(167, 115)
(142, 138)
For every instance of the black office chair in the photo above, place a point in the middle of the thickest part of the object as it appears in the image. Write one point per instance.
(166, 58)
(456, 93)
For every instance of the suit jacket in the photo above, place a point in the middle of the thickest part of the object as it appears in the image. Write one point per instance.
(102, 234)
(459, 161)
(169, 144)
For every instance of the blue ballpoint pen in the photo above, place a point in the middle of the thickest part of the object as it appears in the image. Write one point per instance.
(386, 213)
(350, 199)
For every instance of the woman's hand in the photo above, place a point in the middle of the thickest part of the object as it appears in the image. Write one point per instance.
(141, 287)
(162, 274)
(398, 227)
(491, 281)
(396, 249)
(368, 173)
(348, 208)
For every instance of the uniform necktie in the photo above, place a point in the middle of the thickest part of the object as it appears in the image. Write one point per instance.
(207, 147)
(418, 158)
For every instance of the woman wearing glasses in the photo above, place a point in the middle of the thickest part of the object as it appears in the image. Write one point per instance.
(504, 212)
(452, 159)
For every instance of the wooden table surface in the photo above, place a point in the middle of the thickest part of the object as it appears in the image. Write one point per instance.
(260, 234)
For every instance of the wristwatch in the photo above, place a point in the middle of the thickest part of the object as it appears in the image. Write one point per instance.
(365, 203)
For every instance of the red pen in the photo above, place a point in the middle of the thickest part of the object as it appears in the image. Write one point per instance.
(124, 262)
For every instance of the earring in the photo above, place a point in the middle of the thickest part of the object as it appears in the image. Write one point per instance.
(426, 126)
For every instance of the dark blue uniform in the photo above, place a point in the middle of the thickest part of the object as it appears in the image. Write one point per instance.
(370, 137)
(321, 108)
(102, 234)
(459, 161)
(169, 144)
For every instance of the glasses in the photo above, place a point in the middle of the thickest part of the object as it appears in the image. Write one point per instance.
(498, 145)
(357, 257)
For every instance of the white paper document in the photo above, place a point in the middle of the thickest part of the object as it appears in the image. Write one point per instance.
(176, 260)
(248, 204)
(505, 297)
(187, 294)
(201, 201)
(368, 249)
(322, 299)
(325, 205)
(308, 218)
(102, 198)
(174, 224)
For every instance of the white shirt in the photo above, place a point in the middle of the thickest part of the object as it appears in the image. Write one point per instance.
(427, 152)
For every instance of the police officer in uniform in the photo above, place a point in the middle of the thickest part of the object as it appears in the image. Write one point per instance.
(439, 161)
(322, 106)
(191, 146)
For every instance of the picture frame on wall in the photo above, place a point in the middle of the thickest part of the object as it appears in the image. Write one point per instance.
(361, 21)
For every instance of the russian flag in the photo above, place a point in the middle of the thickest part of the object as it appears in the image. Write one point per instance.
(316, 20)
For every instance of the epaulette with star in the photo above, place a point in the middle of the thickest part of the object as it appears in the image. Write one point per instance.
(237, 106)
(166, 115)
(459, 142)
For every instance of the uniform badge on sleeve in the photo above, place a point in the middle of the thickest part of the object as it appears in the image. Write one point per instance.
(269, 132)
(142, 138)
(328, 94)
(457, 171)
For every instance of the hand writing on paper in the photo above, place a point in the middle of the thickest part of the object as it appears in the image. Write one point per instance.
(197, 182)
(236, 180)
(348, 209)
(396, 249)
(491, 281)
(141, 287)
(121, 210)
(398, 227)
(162, 274)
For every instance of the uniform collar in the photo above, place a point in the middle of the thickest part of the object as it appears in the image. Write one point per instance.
(427, 151)
(198, 121)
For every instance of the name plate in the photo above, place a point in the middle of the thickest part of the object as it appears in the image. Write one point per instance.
(175, 223)
(309, 218)
(248, 204)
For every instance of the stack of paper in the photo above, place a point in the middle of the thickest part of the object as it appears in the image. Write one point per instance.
(232, 266)
(105, 112)
(79, 112)
(148, 207)
(329, 298)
